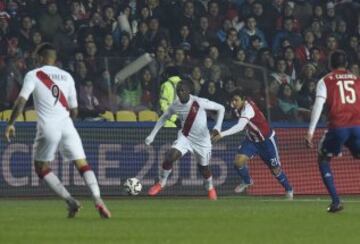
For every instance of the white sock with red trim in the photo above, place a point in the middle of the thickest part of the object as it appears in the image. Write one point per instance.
(91, 182)
(164, 176)
(55, 184)
(209, 183)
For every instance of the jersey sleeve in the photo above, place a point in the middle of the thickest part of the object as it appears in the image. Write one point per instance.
(246, 114)
(220, 109)
(28, 86)
(321, 90)
(72, 98)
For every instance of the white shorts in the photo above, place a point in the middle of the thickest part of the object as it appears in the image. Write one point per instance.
(54, 136)
(202, 153)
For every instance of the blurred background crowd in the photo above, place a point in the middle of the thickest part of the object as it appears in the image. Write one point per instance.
(276, 50)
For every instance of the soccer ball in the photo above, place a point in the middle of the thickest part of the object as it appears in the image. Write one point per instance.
(132, 186)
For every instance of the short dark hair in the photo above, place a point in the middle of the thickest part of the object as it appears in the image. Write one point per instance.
(238, 92)
(189, 84)
(338, 59)
(43, 49)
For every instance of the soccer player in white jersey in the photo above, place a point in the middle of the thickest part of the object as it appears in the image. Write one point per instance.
(55, 102)
(194, 136)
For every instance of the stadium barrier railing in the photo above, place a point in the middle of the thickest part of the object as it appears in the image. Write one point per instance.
(116, 151)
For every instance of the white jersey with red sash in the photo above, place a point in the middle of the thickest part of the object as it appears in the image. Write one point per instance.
(53, 92)
(54, 95)
(193, 119)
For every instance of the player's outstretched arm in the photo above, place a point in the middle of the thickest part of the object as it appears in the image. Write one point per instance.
(17, 110)
(233, 130)
(165, 116)
(220, 112)
(315, 116)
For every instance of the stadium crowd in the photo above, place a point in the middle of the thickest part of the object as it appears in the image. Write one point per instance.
(218, 45)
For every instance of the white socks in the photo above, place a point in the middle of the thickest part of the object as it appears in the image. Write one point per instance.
(91, 182)
(54, 183)
(209, 183)
(164, 176)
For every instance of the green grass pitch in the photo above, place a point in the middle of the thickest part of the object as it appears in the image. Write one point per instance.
(181, 220)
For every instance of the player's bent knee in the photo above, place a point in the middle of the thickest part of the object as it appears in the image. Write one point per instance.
(42, 168)
(80, 163)
(241, 160)
(276, 170)
(172, 155)
(204, 171)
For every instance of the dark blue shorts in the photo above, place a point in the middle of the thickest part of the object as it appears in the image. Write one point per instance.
(267, 150)
(333, 140)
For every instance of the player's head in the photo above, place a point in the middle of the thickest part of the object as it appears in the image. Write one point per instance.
(183, 90)
(338, 59)
(237, 98)
(46, 53)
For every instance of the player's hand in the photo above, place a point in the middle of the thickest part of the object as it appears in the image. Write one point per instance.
(214, 133)
(149, 140)
(309, 140)
(9, 132)
(216, 138)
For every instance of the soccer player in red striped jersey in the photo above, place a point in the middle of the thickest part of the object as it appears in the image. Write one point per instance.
(340, 91)
(260, 140)
(55, 102)
(194, 136)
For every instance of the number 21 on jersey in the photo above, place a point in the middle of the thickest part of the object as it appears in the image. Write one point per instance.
(347, 86)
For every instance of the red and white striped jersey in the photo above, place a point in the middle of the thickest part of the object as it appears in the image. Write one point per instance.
(257, 128)
(53, 92)
(341, 90)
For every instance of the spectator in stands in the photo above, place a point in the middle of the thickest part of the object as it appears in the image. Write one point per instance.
(212, 91)
(303, 51)
(317, 29)
(197, 80)
(24, 32)
(255, 46)
(246, 8)
(331, 45)
(129, 95)
(341, 32)
(279, 74)
(125, 49)
(155, 32)
(288, 12)
(108, 48)
(65, 40)
(316, 59)
(248, 81)
(79, 13)
(265, 59)
(330, 18)
(141, 42)
(150, 90)
(50, 22)
(351, 47)
(89, 105)
(288, 32)
(230, 45)
(307, 94)
(222, 33)
(292, 63)
(307, 75)
(250, 30)
(203, 37)
(181, 61)
(355, 69)
(288, 105)
(183, 38)
(215, 18)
